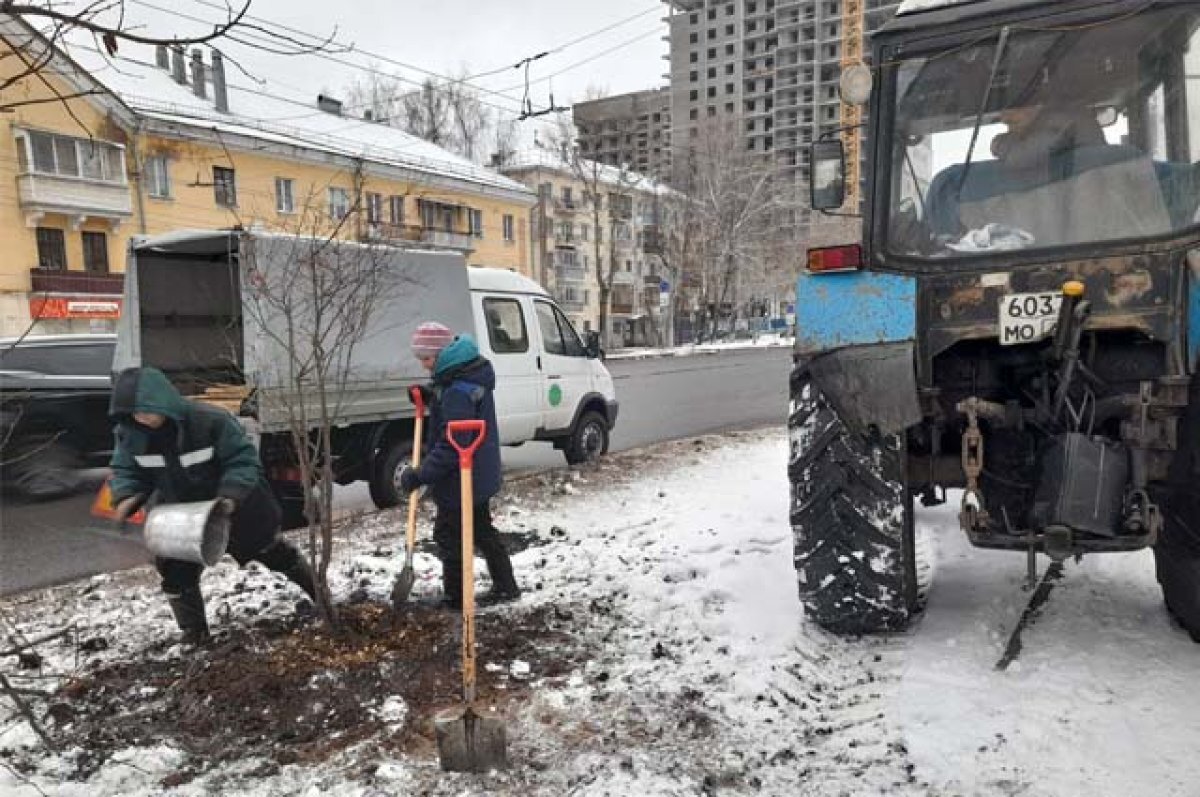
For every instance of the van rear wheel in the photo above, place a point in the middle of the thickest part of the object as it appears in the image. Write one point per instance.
(385, 478)
(588, 440)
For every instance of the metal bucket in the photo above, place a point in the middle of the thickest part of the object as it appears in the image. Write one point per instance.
(197, 532)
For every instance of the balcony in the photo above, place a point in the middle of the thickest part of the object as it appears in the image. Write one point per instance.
(445, 239)
(75, 197)
(49, 280)
(570, 299)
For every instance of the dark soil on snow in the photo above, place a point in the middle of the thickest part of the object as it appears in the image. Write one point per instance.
(296, 692)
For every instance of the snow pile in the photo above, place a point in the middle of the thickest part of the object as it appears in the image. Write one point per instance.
(768, 340)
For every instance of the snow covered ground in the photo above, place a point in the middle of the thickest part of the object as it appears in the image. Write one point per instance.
(671, 571)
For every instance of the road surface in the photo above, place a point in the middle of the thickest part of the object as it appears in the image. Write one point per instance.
(661, 399)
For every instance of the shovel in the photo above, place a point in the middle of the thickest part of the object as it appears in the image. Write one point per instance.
(468, 740)
(404, 582)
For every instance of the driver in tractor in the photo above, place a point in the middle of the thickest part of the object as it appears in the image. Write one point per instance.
(1054, 180)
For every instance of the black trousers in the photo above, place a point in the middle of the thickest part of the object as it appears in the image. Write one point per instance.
(447, 533)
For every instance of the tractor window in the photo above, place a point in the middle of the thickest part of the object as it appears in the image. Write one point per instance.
(1048, 138)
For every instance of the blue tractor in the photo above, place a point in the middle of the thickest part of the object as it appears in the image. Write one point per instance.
(1021, 319)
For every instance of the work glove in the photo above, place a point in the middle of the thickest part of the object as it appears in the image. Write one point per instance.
(128, 506)
(409, 480)
(426, 392)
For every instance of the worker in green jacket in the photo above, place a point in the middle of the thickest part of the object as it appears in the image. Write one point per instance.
(173, 450)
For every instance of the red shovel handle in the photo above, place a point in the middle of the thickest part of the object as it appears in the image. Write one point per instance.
(417, 397)
(465, 453)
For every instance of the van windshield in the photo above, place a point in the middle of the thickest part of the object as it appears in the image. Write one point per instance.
(1042, 138)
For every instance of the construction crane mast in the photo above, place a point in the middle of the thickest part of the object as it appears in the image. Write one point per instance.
(851, 119)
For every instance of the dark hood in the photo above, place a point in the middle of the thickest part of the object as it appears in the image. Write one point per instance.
(145, 390)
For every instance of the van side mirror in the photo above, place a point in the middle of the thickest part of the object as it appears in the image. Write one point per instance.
(592, 346)
(828, 185)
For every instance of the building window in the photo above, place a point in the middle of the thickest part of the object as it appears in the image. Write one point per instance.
(285, 195)
(693, 57)
(583, 231)
(566, 196)
(95, 252)
(73, 157)
(509, 228)
(693, 76)
(158, 177)
(224, 187)
(339, 203)
(52, 249)
(374, 209)
(712, 72)
(396, 210)
(693, 95)
(475, 222)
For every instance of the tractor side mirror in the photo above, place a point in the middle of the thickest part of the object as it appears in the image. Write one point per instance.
(828, 186)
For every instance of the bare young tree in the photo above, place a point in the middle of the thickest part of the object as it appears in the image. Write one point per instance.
(109, 22)
(313, 299)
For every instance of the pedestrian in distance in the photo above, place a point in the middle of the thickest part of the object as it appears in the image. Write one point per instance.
(462, 389)
(173, 450)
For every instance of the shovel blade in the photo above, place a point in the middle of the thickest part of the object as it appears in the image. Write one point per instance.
(469, 741)
(403, 587)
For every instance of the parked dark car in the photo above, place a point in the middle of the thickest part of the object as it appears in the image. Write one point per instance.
(54, 393)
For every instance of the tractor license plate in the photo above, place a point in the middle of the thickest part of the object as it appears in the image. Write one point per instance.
(1028, 317)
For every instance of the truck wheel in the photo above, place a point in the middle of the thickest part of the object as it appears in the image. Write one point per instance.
(588, 440)
(385, 480)
(1177, 553)
(852, 520)
(41, 468)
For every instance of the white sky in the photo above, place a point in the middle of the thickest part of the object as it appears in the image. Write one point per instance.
(444, 36)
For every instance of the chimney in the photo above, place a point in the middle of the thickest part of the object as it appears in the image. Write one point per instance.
(162, 57)
(199, 84)
(178, 70)
(329, 105)
(220, 92)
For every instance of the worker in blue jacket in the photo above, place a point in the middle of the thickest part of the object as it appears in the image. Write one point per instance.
(462, 389)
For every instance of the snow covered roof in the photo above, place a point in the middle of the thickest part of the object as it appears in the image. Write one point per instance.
(549, 159)
(913, 6)
(264, 114)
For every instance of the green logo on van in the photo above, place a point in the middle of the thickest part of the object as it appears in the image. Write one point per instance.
(555, 395)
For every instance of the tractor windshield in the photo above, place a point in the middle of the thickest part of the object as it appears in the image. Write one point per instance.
(1048, 137)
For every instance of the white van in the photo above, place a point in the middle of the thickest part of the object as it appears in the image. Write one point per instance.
(194, 307)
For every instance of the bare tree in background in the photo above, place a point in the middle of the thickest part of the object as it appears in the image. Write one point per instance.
(313, 301)
(739, 206)
(110, 24)
(443, 111)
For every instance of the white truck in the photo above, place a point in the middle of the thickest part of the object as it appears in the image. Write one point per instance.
(193, 309)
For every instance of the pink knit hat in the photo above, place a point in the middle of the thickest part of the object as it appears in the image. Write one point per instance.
(430, 338)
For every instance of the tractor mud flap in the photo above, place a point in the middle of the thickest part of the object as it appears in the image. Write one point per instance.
(870, 386)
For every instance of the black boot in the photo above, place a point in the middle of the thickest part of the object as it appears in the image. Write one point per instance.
(286, 559)
(452, 585)
(188, 608)
(504, 583)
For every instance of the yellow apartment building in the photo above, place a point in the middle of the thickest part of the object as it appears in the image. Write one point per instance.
(145, 146)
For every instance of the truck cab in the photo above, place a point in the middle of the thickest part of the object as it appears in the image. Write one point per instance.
(1027, 285)
(550, 384)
